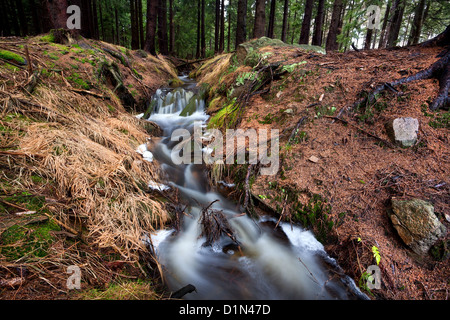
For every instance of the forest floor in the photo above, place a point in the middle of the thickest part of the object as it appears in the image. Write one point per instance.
(74, 191)
(350, 163)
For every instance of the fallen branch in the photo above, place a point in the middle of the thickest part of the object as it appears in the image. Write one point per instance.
(361, 130)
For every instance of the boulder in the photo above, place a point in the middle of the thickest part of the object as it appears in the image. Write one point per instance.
(403, 131)
(416, 224)
(244, 49)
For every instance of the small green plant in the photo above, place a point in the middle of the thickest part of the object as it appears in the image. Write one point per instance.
(243, 77)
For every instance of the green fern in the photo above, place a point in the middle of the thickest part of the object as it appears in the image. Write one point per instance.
(376, 255)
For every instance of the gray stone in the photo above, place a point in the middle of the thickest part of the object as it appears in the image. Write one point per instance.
(403, 131)
(416, 224)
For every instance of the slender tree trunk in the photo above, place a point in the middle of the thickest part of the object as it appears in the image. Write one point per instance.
(203, 32)
(150, 40)
(417, 23)
(222, 27)
(241, 28)
(383, 37)
(260, 19)
(318, 24)
(306, 24)
(163, 39)
(396, 23)
(95, 20)
(217, 27)
(116, 16)
(229, 25)
(141, 25)
(271, 28)
(284, 29)
(22, 19)
(134, 25)
(199, 17)
(171, 29)
(102, 22)
(332, 44)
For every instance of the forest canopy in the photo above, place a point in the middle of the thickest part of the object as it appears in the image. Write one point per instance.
(201, 28)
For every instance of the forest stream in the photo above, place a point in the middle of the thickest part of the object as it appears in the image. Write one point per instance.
(265, 261)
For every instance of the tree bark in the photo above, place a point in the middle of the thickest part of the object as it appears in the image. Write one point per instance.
(229, 25)
(134, 26)
(203, 31)
(199, 17)
(332, 44)
(284, 29)
(217, 27)
(306, 24)
(383, 37)
(417, 23)
(241, 28)
(260, 19)
(140, 25)
(116, 16)
(318, 24)
(163, 39)
(395, 22)
(22, 18)
(222, 27)
(150, 40)
(171, 29)
(271, 28)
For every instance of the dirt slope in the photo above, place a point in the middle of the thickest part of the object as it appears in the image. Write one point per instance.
(355, 169)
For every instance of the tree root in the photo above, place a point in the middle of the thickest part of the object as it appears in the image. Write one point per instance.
(439, 70)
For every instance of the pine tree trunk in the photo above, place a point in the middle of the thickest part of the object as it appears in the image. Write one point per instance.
(229, 25)
(199, 17)
(395, 22)
(241, 28)
(260, 19)
(140, 25)
(217, 27)
(171, 29)
(417, 23)
(222, 27)
(271, 28)
(163, 39)
(150, 40)
(203, 31)
(284, 29)
(306, 24)
(382, 43)
(134, 26)
(22, 18)
(318, 24)
(332, 44)
(116, 16)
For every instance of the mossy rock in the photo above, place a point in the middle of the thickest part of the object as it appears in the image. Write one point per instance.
(245, 48)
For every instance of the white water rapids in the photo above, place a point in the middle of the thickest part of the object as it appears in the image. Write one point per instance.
(286, 263)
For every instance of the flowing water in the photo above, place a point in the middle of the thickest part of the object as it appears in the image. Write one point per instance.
(264, 263)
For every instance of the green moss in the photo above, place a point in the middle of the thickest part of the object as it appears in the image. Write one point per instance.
(227, 115)
(76, 78)
(13, 57)
(315, 215)
(32, 241)
(48, 38)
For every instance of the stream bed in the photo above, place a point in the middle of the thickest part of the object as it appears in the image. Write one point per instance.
(265, 261)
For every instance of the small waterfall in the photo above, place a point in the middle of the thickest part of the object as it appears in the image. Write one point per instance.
(260, 266)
